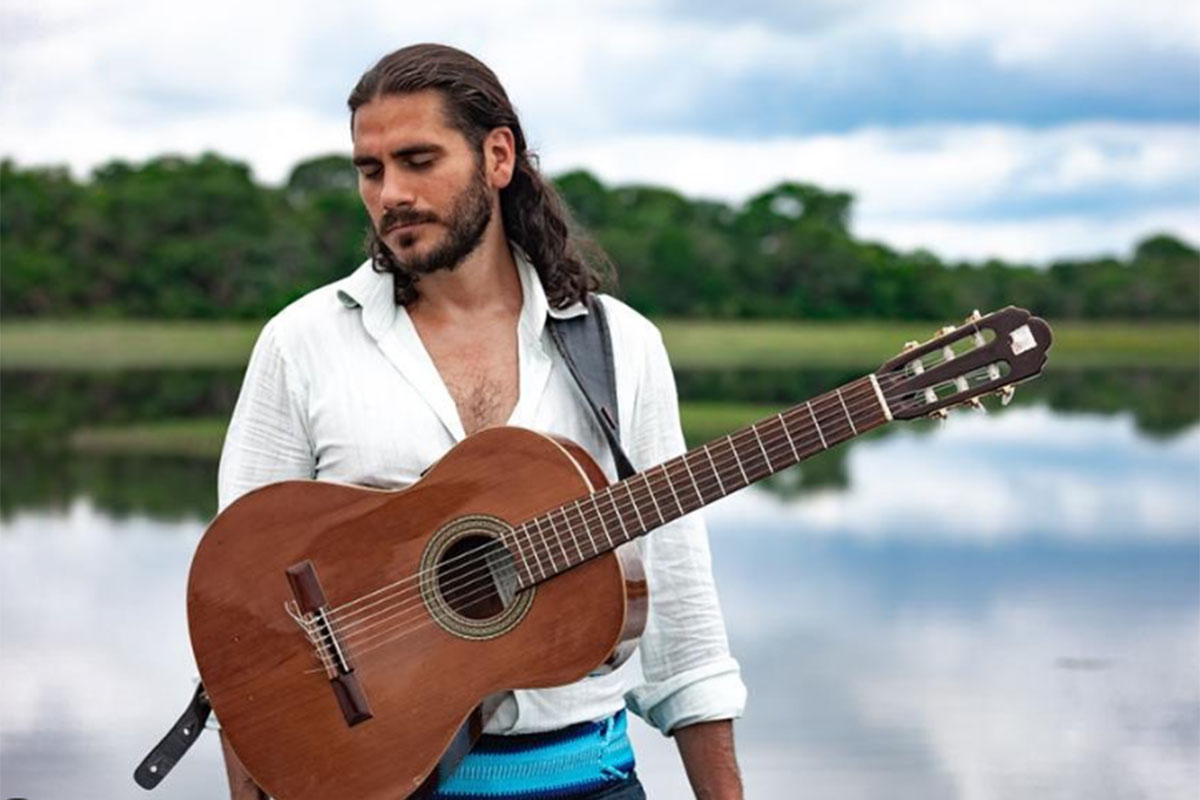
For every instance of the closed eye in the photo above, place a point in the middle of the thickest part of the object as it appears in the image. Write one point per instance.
(368, 168)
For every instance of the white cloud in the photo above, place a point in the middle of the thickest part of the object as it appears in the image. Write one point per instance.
(931, 186)
(1027, 32)
(84, 82)
(1037, 240)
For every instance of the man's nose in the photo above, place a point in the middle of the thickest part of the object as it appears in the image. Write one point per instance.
(397, 190)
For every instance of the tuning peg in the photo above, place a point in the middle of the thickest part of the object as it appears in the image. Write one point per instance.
(1006, 394)
(940, 414)
(977, 404)
(911, 345)
(945, 330)
(975, 316)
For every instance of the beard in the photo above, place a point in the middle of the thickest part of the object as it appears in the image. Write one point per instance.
(470, 214)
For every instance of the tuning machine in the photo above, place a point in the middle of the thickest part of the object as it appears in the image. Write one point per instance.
(911, 345)
(1006, 394)
(977, 404)
(940, 415)
(974, 316)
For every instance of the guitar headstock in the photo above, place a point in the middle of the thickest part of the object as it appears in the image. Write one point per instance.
(986, 355)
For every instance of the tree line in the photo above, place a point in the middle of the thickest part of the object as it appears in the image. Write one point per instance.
(198, 237)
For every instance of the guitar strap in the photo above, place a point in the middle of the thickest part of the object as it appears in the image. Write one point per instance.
(586, 347)
(179, 739)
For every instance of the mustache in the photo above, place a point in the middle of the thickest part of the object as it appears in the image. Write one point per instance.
(394, 217)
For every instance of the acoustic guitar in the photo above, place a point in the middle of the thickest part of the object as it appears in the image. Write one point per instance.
(353, 641)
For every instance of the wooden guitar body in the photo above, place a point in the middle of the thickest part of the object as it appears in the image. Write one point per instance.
(423, 661)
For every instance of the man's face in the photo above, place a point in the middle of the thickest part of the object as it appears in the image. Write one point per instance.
(421, 181)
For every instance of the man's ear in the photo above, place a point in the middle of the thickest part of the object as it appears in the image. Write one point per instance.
(500, 156)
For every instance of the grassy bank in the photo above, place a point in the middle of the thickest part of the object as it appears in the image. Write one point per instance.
(202, 438)
(119, 345)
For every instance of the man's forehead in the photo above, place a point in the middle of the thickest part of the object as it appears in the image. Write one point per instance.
(387, 118)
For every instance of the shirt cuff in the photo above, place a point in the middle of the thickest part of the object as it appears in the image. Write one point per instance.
(702, 694)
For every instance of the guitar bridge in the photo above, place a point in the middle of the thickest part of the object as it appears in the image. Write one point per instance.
(311, 602)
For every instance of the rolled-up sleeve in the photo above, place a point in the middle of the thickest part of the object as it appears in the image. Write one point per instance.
(267, 439)
(689, 674)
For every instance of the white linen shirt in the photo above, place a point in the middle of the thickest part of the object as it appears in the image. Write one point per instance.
(340, 388)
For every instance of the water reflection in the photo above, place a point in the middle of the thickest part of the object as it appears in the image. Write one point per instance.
(42, 410)
(998, 607)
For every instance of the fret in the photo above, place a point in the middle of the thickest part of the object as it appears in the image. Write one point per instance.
(545, 548)
(517, 552)
(788, 434)
(836, 421)
(820, 433)
(741, 469)
(587, 529)
(766, 457)
(875, 416)
(558, 538)
(612, 501)
(887, 411)
(716, 472)
(688, 467)
(533, 549)
(746, 459)
(571, 530)
(671, 486)
(653, 499)
(849, 419)
(641, 525)
(603, 526)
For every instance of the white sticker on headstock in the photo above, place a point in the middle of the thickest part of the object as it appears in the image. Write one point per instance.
(1022, 340)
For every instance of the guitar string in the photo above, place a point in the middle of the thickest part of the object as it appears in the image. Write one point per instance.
(581, 514)
(356, 643)
(637, 497)
(339, 613)
(483, 574)
(890, 380)
(360, 639)
(360, 647)
(776, 448)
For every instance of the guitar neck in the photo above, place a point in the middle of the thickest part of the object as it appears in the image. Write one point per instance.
(598, 522)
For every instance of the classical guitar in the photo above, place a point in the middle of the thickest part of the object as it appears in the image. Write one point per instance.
(352, 641)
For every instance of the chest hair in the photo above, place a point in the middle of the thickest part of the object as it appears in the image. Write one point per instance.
(478, 364)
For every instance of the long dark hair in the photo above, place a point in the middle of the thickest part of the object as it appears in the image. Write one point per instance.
(535, 217)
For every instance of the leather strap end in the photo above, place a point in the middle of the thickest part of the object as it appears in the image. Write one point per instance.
(179, 739)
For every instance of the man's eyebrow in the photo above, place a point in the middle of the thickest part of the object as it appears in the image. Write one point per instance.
(417, 149)
(404, 152)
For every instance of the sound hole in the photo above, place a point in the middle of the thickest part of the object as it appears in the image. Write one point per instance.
(477, 577)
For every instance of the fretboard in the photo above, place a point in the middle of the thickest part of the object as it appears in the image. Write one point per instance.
(600, 521)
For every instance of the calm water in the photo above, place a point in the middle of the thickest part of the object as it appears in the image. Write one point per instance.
(1002, 606)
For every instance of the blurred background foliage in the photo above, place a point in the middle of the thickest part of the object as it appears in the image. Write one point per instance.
(199, 238)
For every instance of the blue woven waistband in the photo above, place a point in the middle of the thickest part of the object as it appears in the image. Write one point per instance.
(561, 763)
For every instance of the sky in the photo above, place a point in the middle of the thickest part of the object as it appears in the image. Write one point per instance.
(1020, 129)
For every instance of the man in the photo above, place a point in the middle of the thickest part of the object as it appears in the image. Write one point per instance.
(442, 333)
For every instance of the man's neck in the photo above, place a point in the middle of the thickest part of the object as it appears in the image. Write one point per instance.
(485, 283)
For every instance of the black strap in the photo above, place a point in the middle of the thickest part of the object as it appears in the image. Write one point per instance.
(183, 733)
(586, 347)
